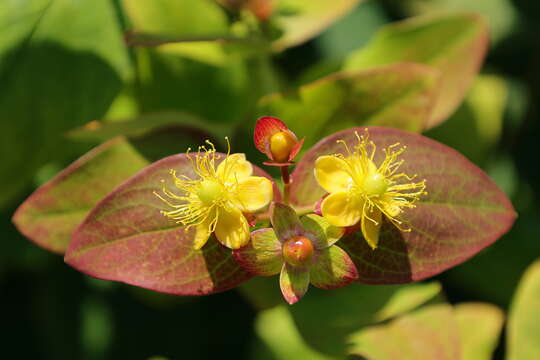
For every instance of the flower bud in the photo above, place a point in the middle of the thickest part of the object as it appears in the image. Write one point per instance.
(273, 138)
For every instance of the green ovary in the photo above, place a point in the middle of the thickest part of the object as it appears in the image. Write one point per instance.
(209, 191)
(375, 184)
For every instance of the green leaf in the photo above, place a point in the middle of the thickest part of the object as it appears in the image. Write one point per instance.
(126, 238)
(285, 221)
(326, 234)
(482, 115)
(294, 282)
(218, 93)
(49, 215)
(501, 15)
(301, 20)
(262, 255)
(479, 327)
(58, 70)
(145, 124)
(455, 44)
(176, 17)
(326, 319)
(463, 212)
(199, 21)
(398, 96)
(332, 269)
(277, 331)
(428, 333)
(524, 320)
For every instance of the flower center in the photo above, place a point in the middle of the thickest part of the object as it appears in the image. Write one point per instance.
(209, 191)
(375, 184)
(298, 251)
(281, 144)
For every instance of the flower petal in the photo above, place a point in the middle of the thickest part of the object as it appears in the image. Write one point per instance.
(232, 228)
(342, 209)
(331, 174)
(202, 231)
(294, 282)
(262, 256)
(332, 269)
(371, 229)
(234, 167)
(285, 221)
(254, 193)
(324, 233)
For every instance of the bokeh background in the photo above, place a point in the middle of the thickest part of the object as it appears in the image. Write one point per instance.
(51, 85)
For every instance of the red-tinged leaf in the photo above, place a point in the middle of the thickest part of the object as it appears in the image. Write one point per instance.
(51, 213)
(428, 333)
(333, 269)
(455, 44)
(399, 95)
(265, 127)
(463, 212)
(323, 235)
(125, 238)
(294, 282)
(285, 221)
(262, 255)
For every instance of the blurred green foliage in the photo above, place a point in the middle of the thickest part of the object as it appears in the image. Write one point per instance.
(70, 83)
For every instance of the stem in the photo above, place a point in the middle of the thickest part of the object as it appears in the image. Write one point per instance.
(286, 184)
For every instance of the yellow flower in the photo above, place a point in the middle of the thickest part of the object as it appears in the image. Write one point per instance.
(216, 198)
(361, 192)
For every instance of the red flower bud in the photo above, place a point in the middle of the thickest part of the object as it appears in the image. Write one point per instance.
(273, 138)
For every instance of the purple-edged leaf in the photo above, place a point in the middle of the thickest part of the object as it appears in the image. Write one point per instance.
(294, 282)
(523, 341)
(428, 333)
(325, 235)
(463, 212)
(333, 269)
(125, 238)
(399, 95)
(455, 44)
(285, 221)
(262, 255)
(480, 326)
(51, 213)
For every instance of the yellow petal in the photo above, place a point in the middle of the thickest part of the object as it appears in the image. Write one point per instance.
(370, 229)
(341, 209)
(232, 229)
(234, 167)
(331, 175)
(202, 233)
(391, 207)
(254, 193)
